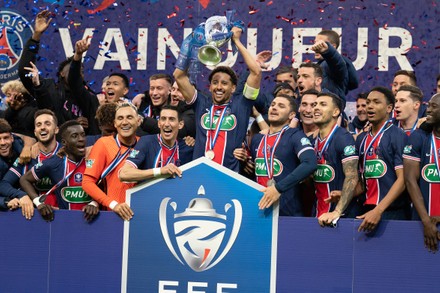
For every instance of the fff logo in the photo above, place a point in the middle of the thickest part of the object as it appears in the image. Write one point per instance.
(199, 236)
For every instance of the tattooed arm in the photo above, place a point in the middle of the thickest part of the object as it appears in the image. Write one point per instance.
(351, 180)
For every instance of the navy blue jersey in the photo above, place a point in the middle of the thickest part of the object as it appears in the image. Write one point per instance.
(69, 194)
(330, 175)
(292, 144)
(150, 153)
(419, 149)
(382, 159)
(232, 129)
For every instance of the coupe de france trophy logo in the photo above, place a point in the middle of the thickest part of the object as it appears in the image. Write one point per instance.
(199, 235)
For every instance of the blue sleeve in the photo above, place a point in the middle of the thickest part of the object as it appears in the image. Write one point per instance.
(138, 154)
(307, 166)
(10, 180)
(399, 142)
(338, 69)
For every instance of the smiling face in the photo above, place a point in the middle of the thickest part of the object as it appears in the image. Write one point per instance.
(115, 89)
(126, 122)
(280, 112)
(306, 109)
(221, 88)
(325, 111)
(361, 109)
(176, 95)
(45, 129)
(169, 126)
(433, 111)
(160, 90)
(74, 141)
(6, 140)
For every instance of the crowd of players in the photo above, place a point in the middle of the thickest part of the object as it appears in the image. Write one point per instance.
(62, 146)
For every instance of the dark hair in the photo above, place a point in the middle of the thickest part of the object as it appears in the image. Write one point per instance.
(410, 74)
(174, 108)
(332, 36)
(336, 100)
(124, 78)
(48, 112)
(287, 69)
(66, 125)
(311, 92)
(227, 70)
(386, 92)
(291, 100)
(167, 77)
(362, 96)
(63, 64)
(438, 77)
(282, 86)
(105, 114)
(316, 68)
(5, 126)
(414, 92)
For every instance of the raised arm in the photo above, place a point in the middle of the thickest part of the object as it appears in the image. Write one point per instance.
(186, 88)
(254, 78)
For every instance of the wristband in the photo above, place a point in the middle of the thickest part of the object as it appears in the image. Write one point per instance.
(156, 172)
(259, 118)
(37, 202)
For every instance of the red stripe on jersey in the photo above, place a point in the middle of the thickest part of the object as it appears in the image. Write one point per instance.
(373, 189)
(322, 190)
(270, 142)
(434, 188)
(220, 144)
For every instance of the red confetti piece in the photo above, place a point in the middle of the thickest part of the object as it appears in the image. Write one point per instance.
(269, 3)
(172, 15)
(176, 8)
(385, 26)
(375, 22)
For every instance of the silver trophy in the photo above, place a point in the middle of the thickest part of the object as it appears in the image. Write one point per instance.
(216, 35)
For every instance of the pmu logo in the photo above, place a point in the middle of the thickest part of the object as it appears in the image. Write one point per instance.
(15, 30)
(199, 236)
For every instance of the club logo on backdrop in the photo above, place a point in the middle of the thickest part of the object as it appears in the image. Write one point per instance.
(15, 30)
(199, 236)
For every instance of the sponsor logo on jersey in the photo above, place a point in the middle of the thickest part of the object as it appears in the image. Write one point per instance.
(430, 173)
(324, 174)
(229, 122)
(133, 154)
(15, 30)
(407, 149)
(75, 194)
(305, 141)
(89, 163)
(261, 170)
(375, 169)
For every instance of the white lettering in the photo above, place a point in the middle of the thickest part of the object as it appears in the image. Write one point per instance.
(221, 286)
(299, 48)
(67, 41)
(162, 285)
(141, 57)
(106, 55)
(362, 48)
(385, 52)
(191, 286)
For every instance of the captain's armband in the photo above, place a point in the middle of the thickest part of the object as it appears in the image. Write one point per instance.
(250, 93)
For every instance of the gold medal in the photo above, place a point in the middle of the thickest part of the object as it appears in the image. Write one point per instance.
(210, 154)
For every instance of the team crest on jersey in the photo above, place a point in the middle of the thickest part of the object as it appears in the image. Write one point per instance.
(89, 163)
(133, 154)
(305, 141)
(78, 177)
(261, 170)
(199, 236)
(38, 165)
(375, 169)
(407, 149)
(324, 174)
(16, 162)
(349, 150)
(430, 173)
(15, 30)
(229, 122)
(370, 151)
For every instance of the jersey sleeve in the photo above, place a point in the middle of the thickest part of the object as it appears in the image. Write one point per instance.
(347, 148)
(399, 142)
(137, 156)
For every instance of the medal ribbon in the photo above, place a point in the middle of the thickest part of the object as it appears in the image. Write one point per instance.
(327, 142)
(117, 159)
(269, 161)
(175, 149)
(435, 153)
(412, 128)
(66, 177)
(212, 139)
(381, 130)
(147, 112)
